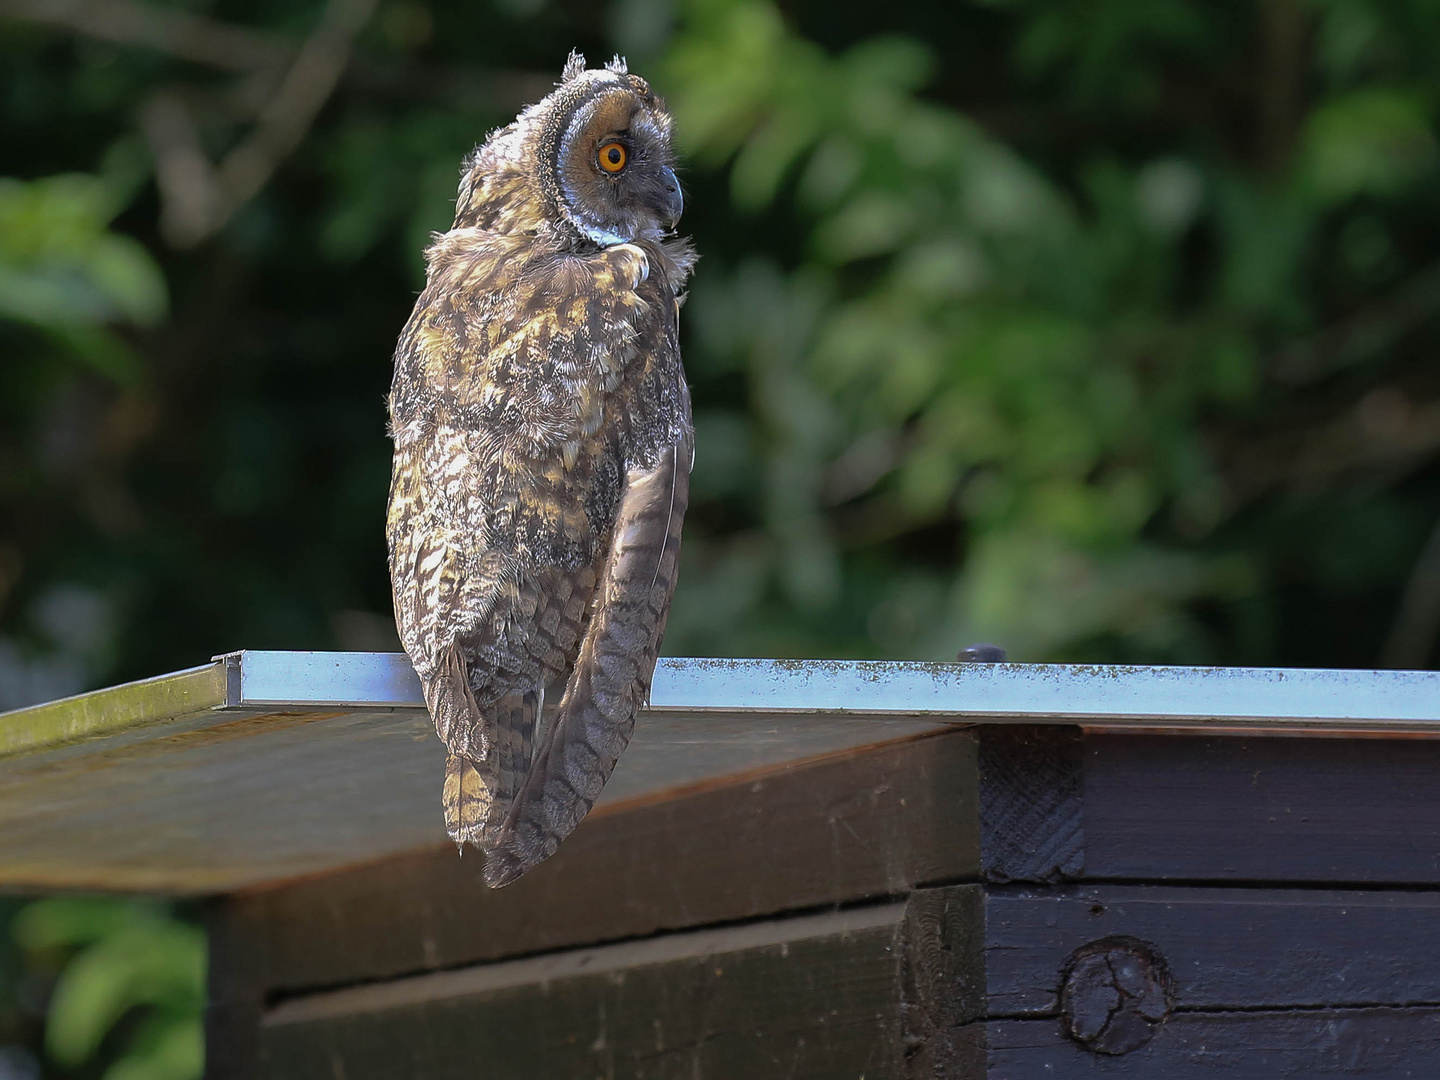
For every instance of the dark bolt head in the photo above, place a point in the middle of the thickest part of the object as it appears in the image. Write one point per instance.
(982, 653)
(1116, 992)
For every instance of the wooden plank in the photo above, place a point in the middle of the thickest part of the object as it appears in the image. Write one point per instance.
(819, 1001)
(844, 828)
(942, 979)
(1256, 810)
(815, 996)
(1226, 948)
(221, 806)
(238, 800)
(1031, 821)
(1379, 1043)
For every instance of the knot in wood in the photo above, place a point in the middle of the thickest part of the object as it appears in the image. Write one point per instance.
(1116, 992)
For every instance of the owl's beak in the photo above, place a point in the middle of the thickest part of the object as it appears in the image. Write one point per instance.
(673, 201)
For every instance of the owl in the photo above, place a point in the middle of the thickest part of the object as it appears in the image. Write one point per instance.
(543, 447)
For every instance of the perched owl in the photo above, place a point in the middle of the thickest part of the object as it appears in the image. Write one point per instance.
(543, 447)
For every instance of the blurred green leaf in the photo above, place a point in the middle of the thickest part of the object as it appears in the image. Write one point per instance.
(61, 261)
(166, 1048)
(69, 921)
(1370, 142)
(129, 956)
(63, 271)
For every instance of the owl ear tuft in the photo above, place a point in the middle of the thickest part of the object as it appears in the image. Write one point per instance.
(574, 66)
(618, 65)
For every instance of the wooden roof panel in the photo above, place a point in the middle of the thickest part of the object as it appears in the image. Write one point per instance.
(265, 766)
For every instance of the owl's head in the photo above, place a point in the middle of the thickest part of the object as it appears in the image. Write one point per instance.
(595, 155)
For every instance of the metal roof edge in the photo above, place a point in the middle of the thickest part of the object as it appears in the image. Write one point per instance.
(1150, 697)
(113, 709)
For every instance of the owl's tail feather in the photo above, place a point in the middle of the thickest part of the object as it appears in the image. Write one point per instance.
(468, 794)
(516, 716)
(477, 794)
(466, 799)
(611, 679)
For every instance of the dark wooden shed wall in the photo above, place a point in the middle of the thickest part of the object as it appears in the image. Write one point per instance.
(1286, 883)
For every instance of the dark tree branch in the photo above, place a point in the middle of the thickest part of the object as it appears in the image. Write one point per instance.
(190, 197)
(1386, 432)
(287, 116)
(198, 198)
(1365, 334)
(168, 30)
(1280, 94)
(261, 55)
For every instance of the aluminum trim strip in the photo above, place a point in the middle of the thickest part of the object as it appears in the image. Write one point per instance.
(1406, 700)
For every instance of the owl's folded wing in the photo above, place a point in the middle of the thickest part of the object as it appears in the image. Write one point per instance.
(612, 675)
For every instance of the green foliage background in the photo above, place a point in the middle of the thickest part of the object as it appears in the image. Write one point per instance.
(1104, 330)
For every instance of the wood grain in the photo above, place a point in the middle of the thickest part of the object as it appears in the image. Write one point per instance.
(1262, 810)
(1227, 948)
(942, 978)
(1031, 820)
(814, 996)
(1379, 1044)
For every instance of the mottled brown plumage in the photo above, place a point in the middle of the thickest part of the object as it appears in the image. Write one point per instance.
(542, 454)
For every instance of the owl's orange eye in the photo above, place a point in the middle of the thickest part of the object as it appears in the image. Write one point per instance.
(613, 157)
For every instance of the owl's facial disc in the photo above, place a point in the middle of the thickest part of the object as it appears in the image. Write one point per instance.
(615, 165)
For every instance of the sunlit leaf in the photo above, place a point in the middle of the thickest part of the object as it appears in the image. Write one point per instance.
(1368, 142)
(65, 272)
